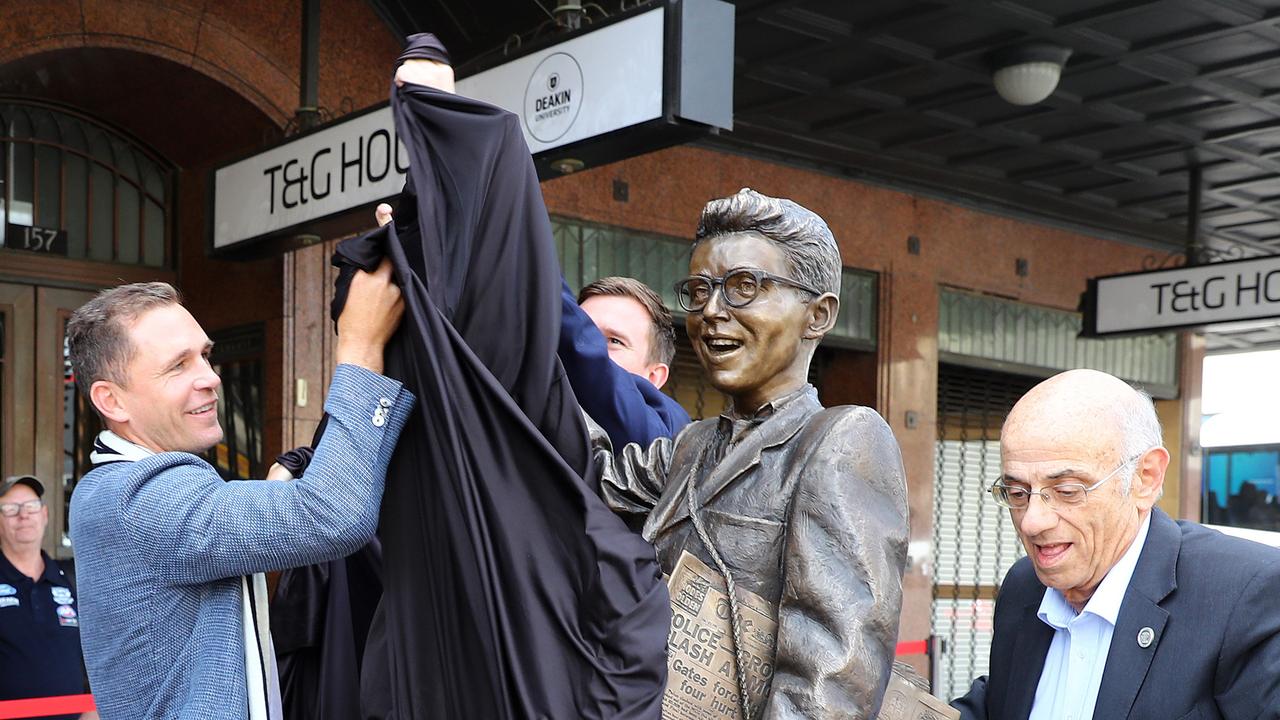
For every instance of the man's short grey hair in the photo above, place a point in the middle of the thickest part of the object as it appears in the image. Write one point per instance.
(98, 333)
(811, 252)
(1139, 432)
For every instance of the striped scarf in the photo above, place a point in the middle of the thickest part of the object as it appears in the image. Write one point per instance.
(259, 655)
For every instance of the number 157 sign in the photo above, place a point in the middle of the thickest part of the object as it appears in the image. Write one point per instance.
(35, 239)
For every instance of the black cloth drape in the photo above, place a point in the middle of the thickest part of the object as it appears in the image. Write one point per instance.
(320, 618)
(510, 590)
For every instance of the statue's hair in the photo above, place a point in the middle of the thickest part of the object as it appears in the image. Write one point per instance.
(811, 252)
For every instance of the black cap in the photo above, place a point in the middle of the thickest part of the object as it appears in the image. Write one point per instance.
(28, 480)
(424, 46)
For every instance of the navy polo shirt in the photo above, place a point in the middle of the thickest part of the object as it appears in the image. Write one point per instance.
(39, 634)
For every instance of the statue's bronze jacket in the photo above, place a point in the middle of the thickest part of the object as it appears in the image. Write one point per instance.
(808, 510)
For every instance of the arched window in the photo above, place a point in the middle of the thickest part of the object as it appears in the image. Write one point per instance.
(92, 192)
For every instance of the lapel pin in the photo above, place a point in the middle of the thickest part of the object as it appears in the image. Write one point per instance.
(1146, 636)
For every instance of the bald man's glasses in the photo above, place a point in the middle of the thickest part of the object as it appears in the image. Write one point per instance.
(1016, 497)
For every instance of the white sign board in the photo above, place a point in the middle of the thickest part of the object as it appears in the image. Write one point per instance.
(590, 85)
(1188, 296)
(326, 172)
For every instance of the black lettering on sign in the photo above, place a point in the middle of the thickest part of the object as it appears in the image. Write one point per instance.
(385, 138)
(355, 162)
(315, 193)
(296, 181)
(1216, 299)
(271, 173)
(1242, 289)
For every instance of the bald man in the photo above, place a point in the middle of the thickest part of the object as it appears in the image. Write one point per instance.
(1118, 611)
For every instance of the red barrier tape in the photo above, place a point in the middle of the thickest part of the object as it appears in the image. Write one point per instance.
(71, 704)
(915, 647)
(46, 706)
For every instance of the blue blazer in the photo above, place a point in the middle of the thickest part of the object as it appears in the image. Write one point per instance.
(1214, 604)
(627, 406)
(161, 544)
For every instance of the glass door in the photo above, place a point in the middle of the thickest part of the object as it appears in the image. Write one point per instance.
(17, 359)
(65, 423)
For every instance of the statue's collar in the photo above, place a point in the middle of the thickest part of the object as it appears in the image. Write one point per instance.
(767, 410)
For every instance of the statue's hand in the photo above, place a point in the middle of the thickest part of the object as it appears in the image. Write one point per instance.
(425, 72)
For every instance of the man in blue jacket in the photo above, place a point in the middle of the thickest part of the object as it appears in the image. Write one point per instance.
(617, 344)
(169, 556)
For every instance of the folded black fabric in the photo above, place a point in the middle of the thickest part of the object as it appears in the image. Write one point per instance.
(424, 46)
(510, 590)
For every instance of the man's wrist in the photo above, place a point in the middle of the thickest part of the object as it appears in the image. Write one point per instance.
(367, 357)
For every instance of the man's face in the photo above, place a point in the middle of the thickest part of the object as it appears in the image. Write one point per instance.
(172, 397)
(627, 328)
(755, 353)
(24, 528)
(1073, 547)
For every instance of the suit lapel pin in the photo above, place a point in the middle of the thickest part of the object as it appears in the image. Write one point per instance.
(1146, 636)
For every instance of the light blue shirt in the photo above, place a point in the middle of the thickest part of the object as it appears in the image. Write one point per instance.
(1073, 668)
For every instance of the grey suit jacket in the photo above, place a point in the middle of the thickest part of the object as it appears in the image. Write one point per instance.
(1213, 602)
(809, 512)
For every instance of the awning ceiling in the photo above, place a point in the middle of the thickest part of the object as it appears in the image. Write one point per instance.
(900, 92)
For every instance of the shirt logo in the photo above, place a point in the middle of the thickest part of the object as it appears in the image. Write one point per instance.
(62, 596)
(7, 589)
(8, 602)
(66, 611)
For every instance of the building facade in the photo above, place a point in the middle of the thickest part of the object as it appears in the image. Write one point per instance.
(113, 115)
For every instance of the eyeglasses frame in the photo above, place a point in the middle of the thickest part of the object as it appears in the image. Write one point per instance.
(22, 508)
(757, 274)
(1045, 496)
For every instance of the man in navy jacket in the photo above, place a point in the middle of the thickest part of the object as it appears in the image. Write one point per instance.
(1118, 612)
(617, 344)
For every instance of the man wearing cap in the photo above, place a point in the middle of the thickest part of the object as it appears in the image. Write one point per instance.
(39, 627)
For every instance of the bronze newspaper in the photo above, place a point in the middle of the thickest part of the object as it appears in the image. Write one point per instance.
(702, 668)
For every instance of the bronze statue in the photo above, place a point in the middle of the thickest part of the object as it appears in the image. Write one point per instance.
(799, 506)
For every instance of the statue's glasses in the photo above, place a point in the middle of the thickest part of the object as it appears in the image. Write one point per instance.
(739, 288)
(1016, 497)
(29, 507)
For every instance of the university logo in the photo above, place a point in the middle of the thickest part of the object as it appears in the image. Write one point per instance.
(553, 97)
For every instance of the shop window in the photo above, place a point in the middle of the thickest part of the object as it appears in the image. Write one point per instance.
(80, 425)
(91, 191)
(1241, 486)
(237, 358)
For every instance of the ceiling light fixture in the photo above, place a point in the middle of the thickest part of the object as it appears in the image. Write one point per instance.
(567, 166)
(1027, 74)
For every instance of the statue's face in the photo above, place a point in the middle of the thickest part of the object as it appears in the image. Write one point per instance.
(754, 353)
